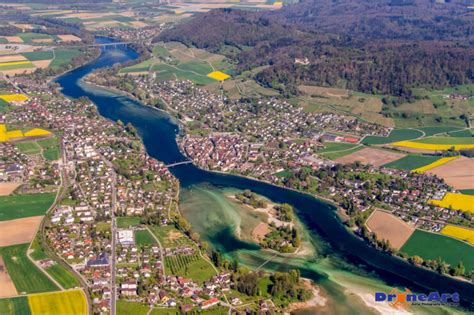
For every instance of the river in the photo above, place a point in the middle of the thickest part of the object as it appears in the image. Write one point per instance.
(339, 262)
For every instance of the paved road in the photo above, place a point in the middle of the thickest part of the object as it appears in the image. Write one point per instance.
(113, 288)
(161, 250)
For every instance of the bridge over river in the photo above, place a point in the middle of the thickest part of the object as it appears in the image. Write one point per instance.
(179, 163)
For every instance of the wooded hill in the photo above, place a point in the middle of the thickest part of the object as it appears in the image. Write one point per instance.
(380, 46)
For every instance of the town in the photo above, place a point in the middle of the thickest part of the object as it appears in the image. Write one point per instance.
(116, 221)
(271, 140)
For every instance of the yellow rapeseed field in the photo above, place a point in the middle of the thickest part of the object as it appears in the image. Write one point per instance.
(218, 75)
(37, 132)
(14, 63)
(461, 233)
(14, 97)
(434, 164)
(432, 147)
(14, 134)
(3, 133)
(456, 201)
(278, 4)
(6, 135)
(66, 302)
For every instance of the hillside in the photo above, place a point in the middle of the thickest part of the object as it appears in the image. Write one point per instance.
(385, 47)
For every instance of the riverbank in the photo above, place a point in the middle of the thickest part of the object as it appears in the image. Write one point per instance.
(316, 302)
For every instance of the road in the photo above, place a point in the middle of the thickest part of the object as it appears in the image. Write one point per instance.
(161, 251)
(113, 298)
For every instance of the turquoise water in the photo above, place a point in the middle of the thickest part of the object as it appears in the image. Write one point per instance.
(334, 258)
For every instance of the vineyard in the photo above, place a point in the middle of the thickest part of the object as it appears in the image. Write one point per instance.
(179, 263)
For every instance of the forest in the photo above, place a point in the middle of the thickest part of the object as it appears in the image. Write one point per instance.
(379, 47)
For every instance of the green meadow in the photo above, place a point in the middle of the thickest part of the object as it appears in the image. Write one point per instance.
(15, 306)
(431, 246)
(22, 206)
(63, 276)
(24, 274)
(395, 135)
(170, 236)
(337, 154)
(447, 140)
(135, 308)
(125, 222)
(412, 161)
(143, 237)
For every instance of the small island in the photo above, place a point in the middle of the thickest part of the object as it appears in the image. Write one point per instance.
(278, 232)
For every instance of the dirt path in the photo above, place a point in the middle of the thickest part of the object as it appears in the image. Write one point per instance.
(161, 251)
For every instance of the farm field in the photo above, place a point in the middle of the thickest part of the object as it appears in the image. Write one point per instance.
(461, 133)
(50, 148)
(336, 146)
(135, 308)
(21, 206)
(143, 237)
(339, 154)
(17, 135)
(432, 146)
(412, 161)
(431, 246)
(24, 274)
(7, 287)
(371, 156)
(4, 106)
(165, 72)
(364, 106)
(446, 140)
(8, 188)
(395, 135)
(456, 201)
(28, 147)
(433, 108)
(139, 67)
(14, 65)
(170, 236)
(388, 227)
(175, 60)
(191, 266)
(429, 131)
(467, 191)
(125, 222)
(63, 276)
(64, 57)
(38, 55)
(15, 306)
(459, 232)
(13, 98)
(218, 75)
(435, 164)
(37, 252)
(168, 311)
(66, 302)
(18, 231)
(29, 61)
(458, 173)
